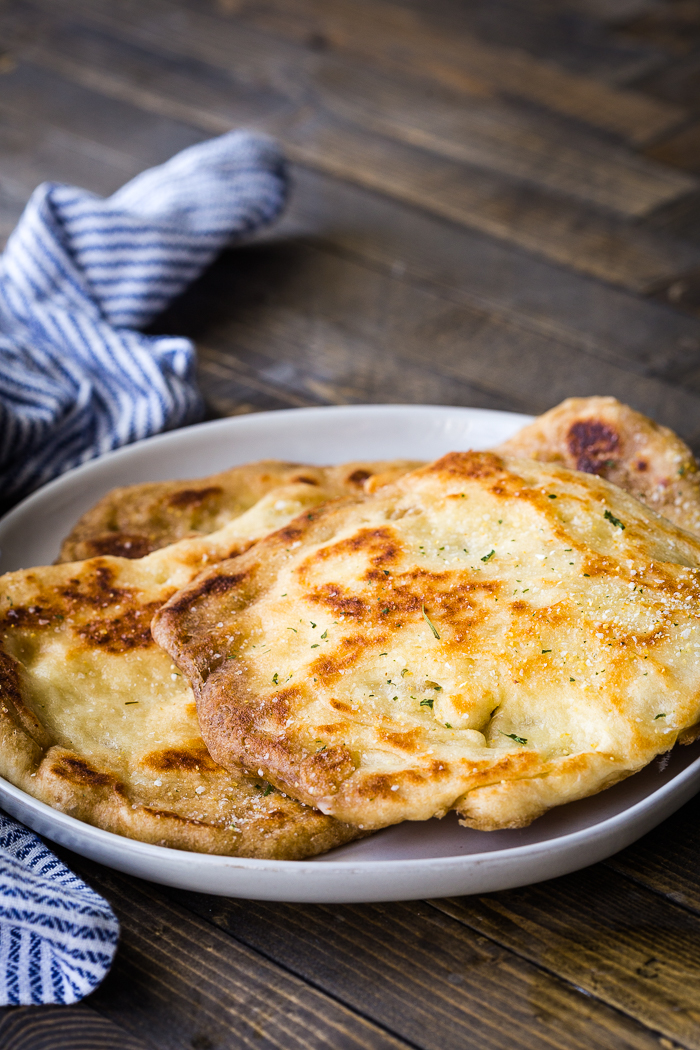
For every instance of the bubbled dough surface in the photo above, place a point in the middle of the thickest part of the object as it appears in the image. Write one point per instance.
(96, 720)
(567, 655)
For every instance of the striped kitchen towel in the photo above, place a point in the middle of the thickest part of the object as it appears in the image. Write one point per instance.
(79, 278)
(57, 936)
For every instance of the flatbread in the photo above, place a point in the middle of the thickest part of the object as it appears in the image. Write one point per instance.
(96, 721)
(599, 435)
(133, 521)
(490, 635)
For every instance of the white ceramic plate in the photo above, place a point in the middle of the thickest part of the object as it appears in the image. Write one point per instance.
(431, 859)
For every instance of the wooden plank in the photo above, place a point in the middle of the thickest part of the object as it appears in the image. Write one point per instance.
(674, 82)
(428, 978)
(546, 301)
(500, 138)
(681, 150)
(675, 27)
(545, 226)
(666, 860)
(607, 936)
(64, 1028)
(237, 382)
(184, 984)
(402, 37)
(551, 30)
(489, 134)
(328, 319)
(477, 271)
(598, 244)
(612, 11)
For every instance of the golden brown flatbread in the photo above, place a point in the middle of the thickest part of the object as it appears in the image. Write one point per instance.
(96, 721)
(492, 635)
(133, 521)
(599, 435)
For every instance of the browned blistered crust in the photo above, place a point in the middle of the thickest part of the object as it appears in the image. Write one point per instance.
(96, 721)
(131, 522)
(492, 635)
(599, 435)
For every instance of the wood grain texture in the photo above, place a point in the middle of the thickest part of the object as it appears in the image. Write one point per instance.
(606, 935)
(304, 312)
(673, 25)
(477, 126)
(211, 83)
(181, 983)
(400, 37)
(412, 969)
(64, 1028)
(681, 150)
(475, 270)
(666, 860)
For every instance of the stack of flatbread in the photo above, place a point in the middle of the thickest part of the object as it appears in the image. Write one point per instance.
(280, 658)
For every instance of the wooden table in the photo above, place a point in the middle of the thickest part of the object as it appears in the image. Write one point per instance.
(496, 203)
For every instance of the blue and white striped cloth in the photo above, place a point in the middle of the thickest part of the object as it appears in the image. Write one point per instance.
(81, 275)
(57, 936)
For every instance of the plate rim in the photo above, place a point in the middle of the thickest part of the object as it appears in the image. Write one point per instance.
(150, 849)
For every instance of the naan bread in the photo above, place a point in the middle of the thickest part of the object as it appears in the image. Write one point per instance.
(490, 635)
(133, 521)
(96, 721)
(599, 435)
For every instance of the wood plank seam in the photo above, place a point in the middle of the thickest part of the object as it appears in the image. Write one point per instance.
(206, 45)
(578, 989)
(610, 999)
(627, 261)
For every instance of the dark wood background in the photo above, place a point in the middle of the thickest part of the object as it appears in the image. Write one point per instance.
(496, 203)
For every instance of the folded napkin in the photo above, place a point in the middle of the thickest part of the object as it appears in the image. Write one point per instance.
(57, 936)
(81, 274)
(79, 277)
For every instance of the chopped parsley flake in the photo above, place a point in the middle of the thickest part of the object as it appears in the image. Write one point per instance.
(613, 520)
(276, 678)
(427, 703)
(430, 623)
(126, 702)
(662, 715)
(512, 736)
(551, 496)
(325, 634)
(487, 557)
(546, 651)
(315, 646)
